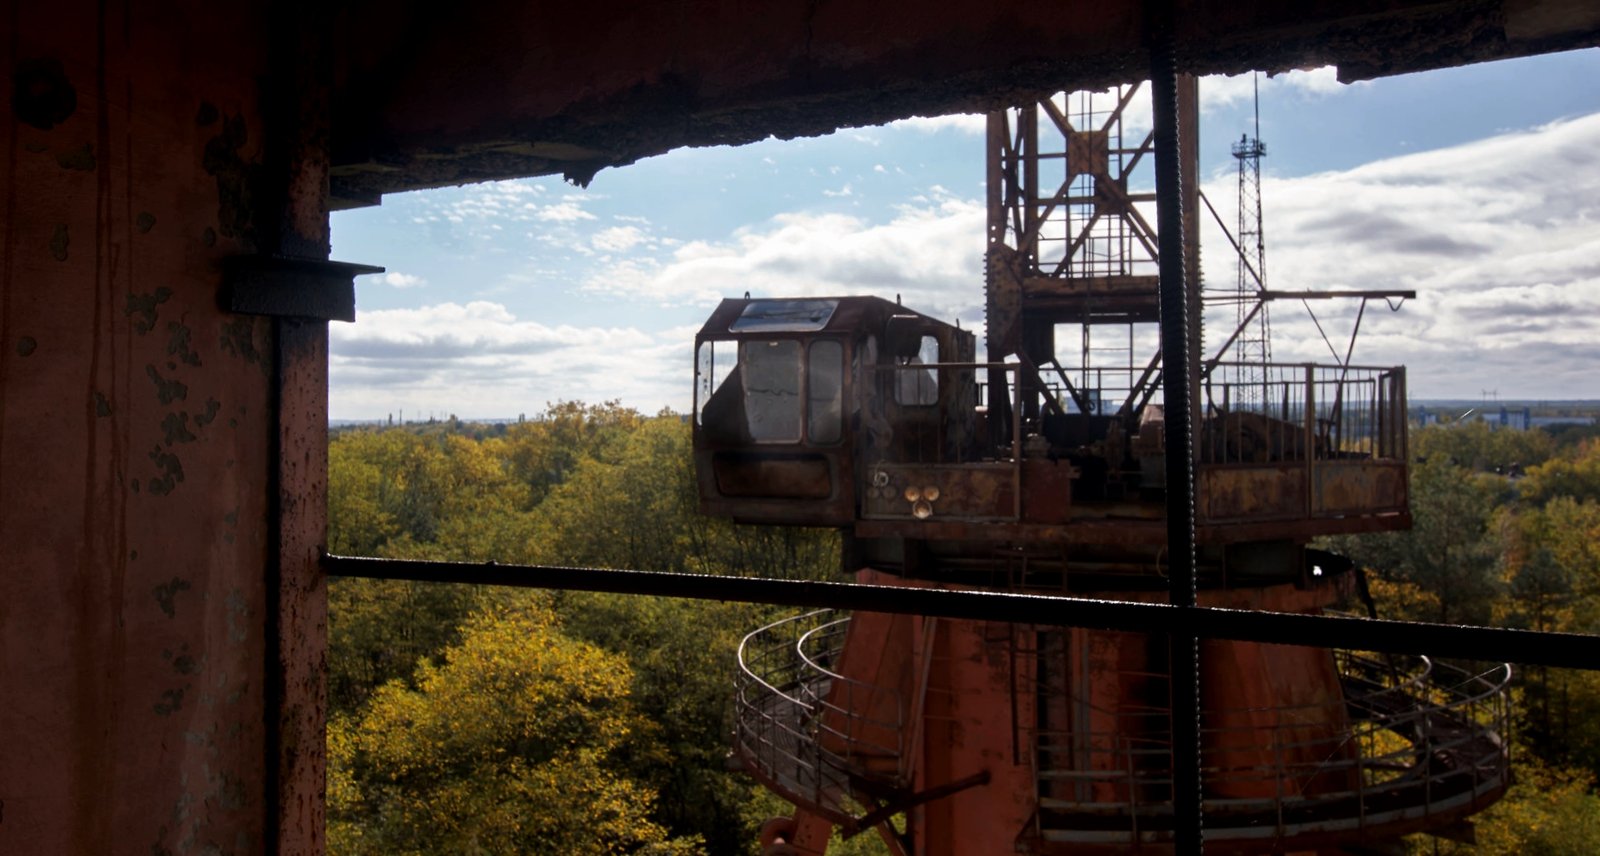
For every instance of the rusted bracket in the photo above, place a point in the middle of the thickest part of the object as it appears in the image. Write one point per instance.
(894, 807)
(291, 287)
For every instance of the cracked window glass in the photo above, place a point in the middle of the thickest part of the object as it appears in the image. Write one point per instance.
(771, 374)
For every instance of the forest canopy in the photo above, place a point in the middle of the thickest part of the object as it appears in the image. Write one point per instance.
(477, 720)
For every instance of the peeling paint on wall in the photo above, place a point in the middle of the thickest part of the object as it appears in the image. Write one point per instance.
(80, 158)
(178, 344)
(239, 339)
(166, 595)
(236, 178)
(167, 391)
(175, 427)
(171, 472)
(142, 308)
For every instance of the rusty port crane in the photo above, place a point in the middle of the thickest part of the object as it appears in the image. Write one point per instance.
(1041, 470)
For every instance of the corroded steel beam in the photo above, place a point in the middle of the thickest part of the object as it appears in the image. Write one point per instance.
(1561, 650)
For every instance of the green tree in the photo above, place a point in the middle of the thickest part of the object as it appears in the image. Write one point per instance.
(1448, 564)
(543, 453)
(378, 630)
(683, 654)
(1548, 811)
(510, 746)
(1478, 447)
(1575, 475)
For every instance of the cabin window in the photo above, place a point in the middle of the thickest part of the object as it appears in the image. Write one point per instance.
(825, 391)
(919, 386)
(784, 316)
(713, 366)
(771, 374)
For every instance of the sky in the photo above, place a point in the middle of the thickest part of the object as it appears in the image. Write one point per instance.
(1478, 187)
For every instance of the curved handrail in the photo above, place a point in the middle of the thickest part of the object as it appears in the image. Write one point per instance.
(802, 727)
(1411, 742)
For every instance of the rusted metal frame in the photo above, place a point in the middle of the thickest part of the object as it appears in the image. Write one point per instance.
(1144, 388)
(883, 813)
(1038, 380)
(1062, 123)
(1005, 209)
(1077, 395)
(1077, 243)
(1244, 258)
(1004, 192)
(1304, 301)
(1467, 642)
(292, 222)
(898, 844)
(1018, 194)
(1123, 100)
(1138, 155)
(1344, 372)
(1146, 235)
(1043, 217)
(1061, 198)
(1127, 168)
(1016, 446)
(1402, 396)
(1028, 129)
(1187, 804)
(994, 173)
(1309, 421)
(1211, 364)
(1129, 214)
(1365, 294)
(919, 703)
(292, 287)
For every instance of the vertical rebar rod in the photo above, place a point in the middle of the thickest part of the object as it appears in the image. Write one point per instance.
(1188, 832)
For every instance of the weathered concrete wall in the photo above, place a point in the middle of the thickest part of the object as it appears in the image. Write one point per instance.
(136, 433)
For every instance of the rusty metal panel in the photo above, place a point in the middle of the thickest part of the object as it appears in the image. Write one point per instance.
(1358, 487)
(964, 492)
(773, 476)
(1047, 490)
(1254, 493)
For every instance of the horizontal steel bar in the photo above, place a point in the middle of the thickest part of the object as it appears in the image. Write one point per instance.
(1375, 294)
(1563, 650)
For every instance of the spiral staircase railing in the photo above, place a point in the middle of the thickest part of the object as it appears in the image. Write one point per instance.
(1421, 744)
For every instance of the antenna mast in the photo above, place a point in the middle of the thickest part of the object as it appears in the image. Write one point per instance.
(1253, 349)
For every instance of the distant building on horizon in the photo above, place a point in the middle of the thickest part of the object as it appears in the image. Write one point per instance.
(1516, 419)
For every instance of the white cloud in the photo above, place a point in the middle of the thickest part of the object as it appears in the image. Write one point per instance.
(617, 239)
(480, 360)
(564, 212)
(960, 123)
(1500, 238)
(1217, 91)
(930, 254)
(396, 279)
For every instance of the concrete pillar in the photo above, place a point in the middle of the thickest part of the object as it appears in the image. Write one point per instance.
(139, 440)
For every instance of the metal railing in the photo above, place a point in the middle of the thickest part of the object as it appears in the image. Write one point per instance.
(1413, 743)
(806, 731)
(1409, 742)
(1302, 412)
